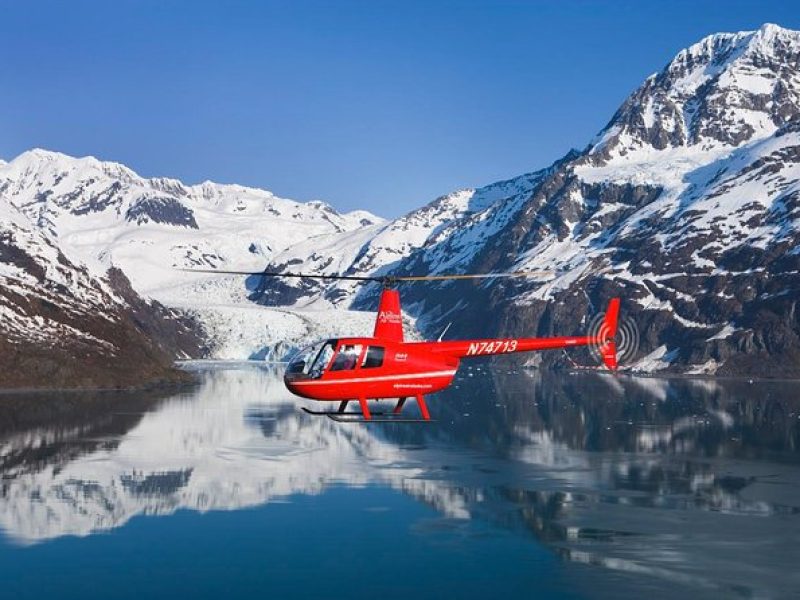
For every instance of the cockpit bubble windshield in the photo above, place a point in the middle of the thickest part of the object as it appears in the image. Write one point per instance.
(312, 360)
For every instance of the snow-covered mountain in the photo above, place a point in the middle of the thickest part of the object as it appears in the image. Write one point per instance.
(383, 248)
(102, 215)
(685, 204)
(63, 325)
(105, 214)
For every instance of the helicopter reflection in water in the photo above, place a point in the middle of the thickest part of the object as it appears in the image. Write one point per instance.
(668, 479)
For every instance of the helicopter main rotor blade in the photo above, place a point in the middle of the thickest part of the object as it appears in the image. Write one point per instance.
(384, 279)
(470, 276)
(277, 274)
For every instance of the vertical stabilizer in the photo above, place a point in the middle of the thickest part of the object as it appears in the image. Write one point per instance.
(608, 331)
(389, 323)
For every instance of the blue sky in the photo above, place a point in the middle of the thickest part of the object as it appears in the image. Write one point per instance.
(377, 105)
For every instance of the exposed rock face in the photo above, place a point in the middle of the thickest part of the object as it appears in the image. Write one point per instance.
(161, 210)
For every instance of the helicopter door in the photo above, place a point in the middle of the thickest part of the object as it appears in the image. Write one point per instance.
(322, 360)
(347, 357)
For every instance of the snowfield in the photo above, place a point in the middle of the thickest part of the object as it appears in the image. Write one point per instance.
(103, 215)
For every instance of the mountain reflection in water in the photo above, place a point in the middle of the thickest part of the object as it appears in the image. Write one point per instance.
(691, 483)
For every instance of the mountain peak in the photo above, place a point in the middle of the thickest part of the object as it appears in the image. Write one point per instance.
(721, 47)
(40, 154)
(723, 91)
(40, 160)
(771, 33)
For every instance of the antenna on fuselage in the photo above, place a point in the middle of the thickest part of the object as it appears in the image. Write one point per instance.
(445, 331)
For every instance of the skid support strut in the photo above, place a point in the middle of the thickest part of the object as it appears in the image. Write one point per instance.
(423, 408)
(362, 402)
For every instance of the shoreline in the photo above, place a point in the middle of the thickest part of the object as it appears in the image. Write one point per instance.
(155, 385)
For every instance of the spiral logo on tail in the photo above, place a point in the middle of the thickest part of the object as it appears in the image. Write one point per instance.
(627, 338)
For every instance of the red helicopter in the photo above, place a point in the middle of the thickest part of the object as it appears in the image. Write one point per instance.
(386, 366)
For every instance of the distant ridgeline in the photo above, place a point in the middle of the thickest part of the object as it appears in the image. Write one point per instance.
(687, 205)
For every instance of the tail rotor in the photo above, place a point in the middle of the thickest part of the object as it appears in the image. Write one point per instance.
(613, 341)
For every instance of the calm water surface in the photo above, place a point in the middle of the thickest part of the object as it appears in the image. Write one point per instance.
(531, 484)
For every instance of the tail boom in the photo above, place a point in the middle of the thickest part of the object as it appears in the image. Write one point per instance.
(497, 346)
(604, 340)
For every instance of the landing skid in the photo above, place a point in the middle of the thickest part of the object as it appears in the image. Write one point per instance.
(365, 415)
(326, 413)
(355, 417)
(358, 417)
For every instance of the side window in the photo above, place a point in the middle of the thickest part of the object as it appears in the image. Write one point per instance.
(346, 358)
(373, 357)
